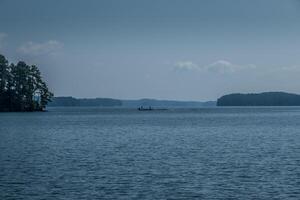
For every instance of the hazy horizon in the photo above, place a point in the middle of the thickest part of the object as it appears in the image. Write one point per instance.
(122, 99)
(174, 50)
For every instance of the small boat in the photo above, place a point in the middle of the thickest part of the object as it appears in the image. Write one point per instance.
(145, 109)
(150, 109)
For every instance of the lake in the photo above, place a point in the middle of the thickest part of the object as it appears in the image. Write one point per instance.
(94, 153)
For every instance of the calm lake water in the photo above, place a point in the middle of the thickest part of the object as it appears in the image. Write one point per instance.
(209, 153)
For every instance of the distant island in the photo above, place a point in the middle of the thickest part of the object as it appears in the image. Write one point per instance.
(108, 102)
(261, 99)
(22, 88)
(73, 102)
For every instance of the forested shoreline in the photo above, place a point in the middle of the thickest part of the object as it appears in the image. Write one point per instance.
(22, 88)
(261, 99)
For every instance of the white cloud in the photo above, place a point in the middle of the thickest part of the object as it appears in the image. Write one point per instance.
(220, 66)
(38, 49)
(293, 68)
(186, 66)
(224, 66)
(2, 37)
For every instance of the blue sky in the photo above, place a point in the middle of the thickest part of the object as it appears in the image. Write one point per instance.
(166, 49)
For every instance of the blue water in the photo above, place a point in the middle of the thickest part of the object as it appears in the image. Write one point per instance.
(92, 153)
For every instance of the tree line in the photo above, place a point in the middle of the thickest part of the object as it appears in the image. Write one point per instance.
(22, 87)
(262, 99)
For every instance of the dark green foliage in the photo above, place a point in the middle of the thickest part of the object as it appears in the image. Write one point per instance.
(262, 99)
(22, 87)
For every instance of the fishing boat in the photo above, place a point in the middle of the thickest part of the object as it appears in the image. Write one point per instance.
(145, 109)
(150, 109)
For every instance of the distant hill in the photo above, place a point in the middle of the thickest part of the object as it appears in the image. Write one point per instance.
(70, 101)
(107, 102)
(166, 103)
(261, 99)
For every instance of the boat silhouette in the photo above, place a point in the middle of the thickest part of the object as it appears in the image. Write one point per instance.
(145, 109)
(150, 109)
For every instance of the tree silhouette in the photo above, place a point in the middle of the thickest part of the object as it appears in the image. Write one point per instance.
(22, 87)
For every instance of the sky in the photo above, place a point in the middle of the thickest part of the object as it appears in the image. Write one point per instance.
(164, 49)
